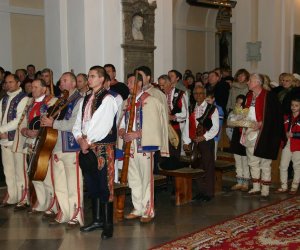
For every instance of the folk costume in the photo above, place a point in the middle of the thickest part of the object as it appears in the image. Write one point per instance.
(291, 152)
(67, 174)
(31, 119)
(150, 119)
(262, 145)
(155, 92)
(96, 121)
(11, 108)
(177, 105)
(204, 121)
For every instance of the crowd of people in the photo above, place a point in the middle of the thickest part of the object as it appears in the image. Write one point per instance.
(96, 117)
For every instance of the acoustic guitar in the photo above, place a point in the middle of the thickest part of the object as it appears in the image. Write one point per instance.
(44, 144)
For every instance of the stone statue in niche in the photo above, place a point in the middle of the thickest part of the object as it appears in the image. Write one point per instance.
(137, 23)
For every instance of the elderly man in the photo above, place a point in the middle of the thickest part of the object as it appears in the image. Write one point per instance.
(67, 175)
(262, 142)
(27, 132)
(203, 127)
(178, 113)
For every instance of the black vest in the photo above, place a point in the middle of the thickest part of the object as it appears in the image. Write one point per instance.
(178, 95)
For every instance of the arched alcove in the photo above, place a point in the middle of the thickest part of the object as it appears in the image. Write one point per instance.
(224, 38)
(194, 37)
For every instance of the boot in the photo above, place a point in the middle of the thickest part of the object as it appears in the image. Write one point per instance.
(265, 190)
(97, 214)
(255, 189)
(108, 214)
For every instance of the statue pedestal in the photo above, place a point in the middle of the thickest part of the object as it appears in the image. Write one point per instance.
(136, 55)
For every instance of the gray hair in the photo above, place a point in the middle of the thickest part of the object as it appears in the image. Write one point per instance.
(164, 77)
(258, 77)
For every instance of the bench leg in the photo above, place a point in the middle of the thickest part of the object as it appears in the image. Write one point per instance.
(183, 190)
(218, 182)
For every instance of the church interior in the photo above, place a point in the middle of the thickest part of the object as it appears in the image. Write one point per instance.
(261, 36)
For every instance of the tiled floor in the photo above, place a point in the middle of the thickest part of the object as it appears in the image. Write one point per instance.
(19, 230)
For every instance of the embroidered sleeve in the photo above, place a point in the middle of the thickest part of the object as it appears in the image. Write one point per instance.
(77, 125)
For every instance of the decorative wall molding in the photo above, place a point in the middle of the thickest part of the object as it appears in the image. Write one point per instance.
(178, 26)
(254, 53)
(21, 10)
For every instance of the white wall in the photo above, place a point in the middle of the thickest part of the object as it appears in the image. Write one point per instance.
(103, 34)
(56, 37)
(76, 41)
(5, 48)
(163, 55)
(241, 27)
(273, 25)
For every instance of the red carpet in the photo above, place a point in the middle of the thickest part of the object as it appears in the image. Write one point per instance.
(273, 227)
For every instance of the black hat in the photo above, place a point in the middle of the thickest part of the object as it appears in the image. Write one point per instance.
(88, 162)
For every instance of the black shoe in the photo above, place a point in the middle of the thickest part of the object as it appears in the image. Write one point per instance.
(198, 197)
(91, 227)
(7, 205)
(206, 198)
(108, 214)
(21, 207)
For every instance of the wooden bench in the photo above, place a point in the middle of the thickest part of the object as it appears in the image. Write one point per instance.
(221, 167)
(183, 182)
(120, 191)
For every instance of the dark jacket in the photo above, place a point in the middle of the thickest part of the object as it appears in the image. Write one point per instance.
(272, 131)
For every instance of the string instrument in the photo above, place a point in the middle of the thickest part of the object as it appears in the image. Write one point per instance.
(51, 83)
(195, 154)
(173, 136)
(124, 173)
(204, 124)
(46, 139)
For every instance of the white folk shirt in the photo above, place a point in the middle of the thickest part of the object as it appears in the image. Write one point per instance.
(12, 125)
(100, 123)
(199, 111)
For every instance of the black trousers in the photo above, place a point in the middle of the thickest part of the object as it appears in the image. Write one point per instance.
(206, 184)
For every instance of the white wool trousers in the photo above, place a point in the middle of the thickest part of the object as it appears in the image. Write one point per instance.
(68, 186)
(15, 175)
(141, 182)
(286, 157)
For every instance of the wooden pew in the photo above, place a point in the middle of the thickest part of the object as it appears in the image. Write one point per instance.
(120, 191)
(222, 167)
(183, 182)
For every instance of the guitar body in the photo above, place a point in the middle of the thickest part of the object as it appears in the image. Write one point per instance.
(39, 158)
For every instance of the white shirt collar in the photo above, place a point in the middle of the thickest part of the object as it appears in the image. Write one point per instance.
(39, 99)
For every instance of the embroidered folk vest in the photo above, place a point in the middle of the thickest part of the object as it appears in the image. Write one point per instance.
(12, 110)
(99, 96)
(69, 144)
(139, 122)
